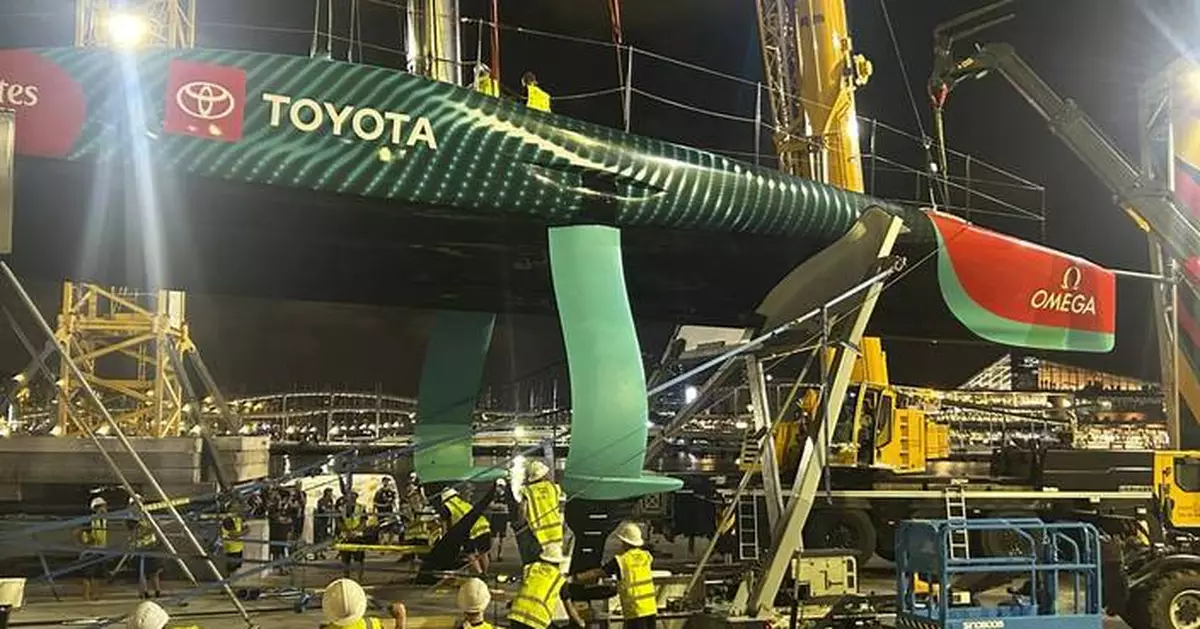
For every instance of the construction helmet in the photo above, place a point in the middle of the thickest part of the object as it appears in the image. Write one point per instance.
(552, 552)
(537, 471)
(474, 596)
(147, 615)
(343, 603)
(97, 502)
(631, 534)
(448, 493)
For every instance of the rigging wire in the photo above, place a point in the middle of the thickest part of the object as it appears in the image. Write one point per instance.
(912, 101)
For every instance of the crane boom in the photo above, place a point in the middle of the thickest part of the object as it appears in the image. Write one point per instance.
(1172, 229)
(1152, 204)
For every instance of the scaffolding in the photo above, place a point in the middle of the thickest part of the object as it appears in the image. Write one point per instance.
(168, 23)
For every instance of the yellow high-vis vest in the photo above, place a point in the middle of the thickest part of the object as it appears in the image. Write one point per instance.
(535, 602)
(361, 623)
(636, 587)
(99, 531)
(459, 508)
(231, 537)
(537, 98)
(355, 520)
(540, 503)
(487, 85)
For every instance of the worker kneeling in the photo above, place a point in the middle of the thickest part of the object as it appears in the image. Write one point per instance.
(344, 605)
(631, 567)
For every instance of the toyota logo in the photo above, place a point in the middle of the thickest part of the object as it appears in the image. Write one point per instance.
(204, 100)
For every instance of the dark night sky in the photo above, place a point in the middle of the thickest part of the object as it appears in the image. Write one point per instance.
(1097, 52)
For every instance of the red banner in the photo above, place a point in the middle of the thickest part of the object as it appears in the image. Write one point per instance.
(49, 104)
(1023, 284)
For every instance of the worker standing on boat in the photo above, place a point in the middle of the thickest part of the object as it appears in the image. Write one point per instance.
(484, 83)
(479, 540)
(535, 96)
(344, 605)
(631, 567)
(541, 505)
(542, 592)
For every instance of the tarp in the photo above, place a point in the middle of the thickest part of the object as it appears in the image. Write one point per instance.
(1021, 294)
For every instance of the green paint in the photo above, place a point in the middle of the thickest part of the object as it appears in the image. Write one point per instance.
(608, 387)
(999, 329)
(493, 157)
(450, 381)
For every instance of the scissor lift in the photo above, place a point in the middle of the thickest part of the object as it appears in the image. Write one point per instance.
(1060, 561)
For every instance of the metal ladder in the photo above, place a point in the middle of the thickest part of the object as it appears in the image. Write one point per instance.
(750, 457)
(956, 515)
(747, 526)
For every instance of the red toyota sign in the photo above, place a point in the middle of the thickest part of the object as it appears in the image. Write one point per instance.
(49, 104)
(205, 101)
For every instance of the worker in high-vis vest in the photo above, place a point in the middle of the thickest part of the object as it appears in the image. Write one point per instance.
(631, 567)
(344, 605)
(352, 529)
(541, 505)
(473, 600)
(542, 592)
(479, 540)
(150, 615)
(150, 566)
(485, 83)
(96, 543)
(233, 542)
(535, 96)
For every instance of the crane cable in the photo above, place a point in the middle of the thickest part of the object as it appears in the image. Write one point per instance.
(912, 101)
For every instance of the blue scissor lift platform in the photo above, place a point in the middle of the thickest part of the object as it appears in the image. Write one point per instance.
(1061, 562)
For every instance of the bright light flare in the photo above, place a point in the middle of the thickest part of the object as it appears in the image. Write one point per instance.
(127, 30)
(690, 394)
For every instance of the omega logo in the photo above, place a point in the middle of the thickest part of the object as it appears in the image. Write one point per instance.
(1068, 298)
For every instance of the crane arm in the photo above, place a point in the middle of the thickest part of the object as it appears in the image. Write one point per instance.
(1152, 204)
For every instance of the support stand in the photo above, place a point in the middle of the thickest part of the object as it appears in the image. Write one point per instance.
(85, 427)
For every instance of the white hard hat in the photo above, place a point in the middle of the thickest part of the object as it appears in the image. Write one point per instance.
(147, 615)
(97, 502)
(474, 596)
(537, 471)
(449, 493)
(553, 553)
(630, 533)
(343, 603)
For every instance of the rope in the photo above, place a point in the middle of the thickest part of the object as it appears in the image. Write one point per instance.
(673, 103)
(912, 99)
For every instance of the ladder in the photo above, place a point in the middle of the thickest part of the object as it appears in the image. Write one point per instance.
(750, 457)
(747, 527)
(956, 515)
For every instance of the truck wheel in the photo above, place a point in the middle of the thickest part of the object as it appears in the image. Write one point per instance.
(848, 529)
(885, 539)
(1174, 602)
(999, 543)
